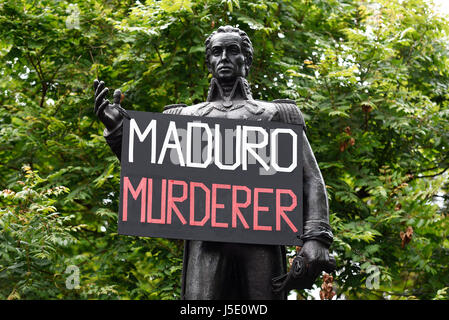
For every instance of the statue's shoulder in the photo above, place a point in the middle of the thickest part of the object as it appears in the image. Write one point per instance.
(287, 111)
(195, 109)
(176, 108)
(183, 109)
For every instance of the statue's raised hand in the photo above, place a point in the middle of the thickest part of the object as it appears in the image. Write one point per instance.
(110, 114)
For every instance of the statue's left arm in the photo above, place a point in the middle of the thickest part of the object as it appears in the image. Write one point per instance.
(316, 208)
(317, 234)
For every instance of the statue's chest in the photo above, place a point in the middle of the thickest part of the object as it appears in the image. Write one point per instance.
(243, 110)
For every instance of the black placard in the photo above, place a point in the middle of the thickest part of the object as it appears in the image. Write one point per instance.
(180, 179)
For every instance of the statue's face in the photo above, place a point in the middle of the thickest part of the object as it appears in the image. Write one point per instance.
(226, 60)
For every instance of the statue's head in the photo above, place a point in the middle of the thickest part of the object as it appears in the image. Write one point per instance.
(229, 53)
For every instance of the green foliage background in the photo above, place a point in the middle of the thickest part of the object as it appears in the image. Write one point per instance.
(371, 78)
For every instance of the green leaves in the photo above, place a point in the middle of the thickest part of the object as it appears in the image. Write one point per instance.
(32, 234)
(176, 5)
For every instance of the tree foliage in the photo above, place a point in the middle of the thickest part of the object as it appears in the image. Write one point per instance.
(371, 78)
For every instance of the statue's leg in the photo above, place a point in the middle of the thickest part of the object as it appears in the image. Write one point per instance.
(258, 265)
(208, 271)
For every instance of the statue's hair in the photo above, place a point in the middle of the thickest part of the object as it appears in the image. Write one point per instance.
(247, 46)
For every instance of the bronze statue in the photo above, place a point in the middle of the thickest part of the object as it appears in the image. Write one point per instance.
(214, 270)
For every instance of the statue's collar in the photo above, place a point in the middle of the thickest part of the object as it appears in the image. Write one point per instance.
(240, 89)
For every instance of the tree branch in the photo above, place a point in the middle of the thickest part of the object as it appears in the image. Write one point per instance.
(433, 175)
